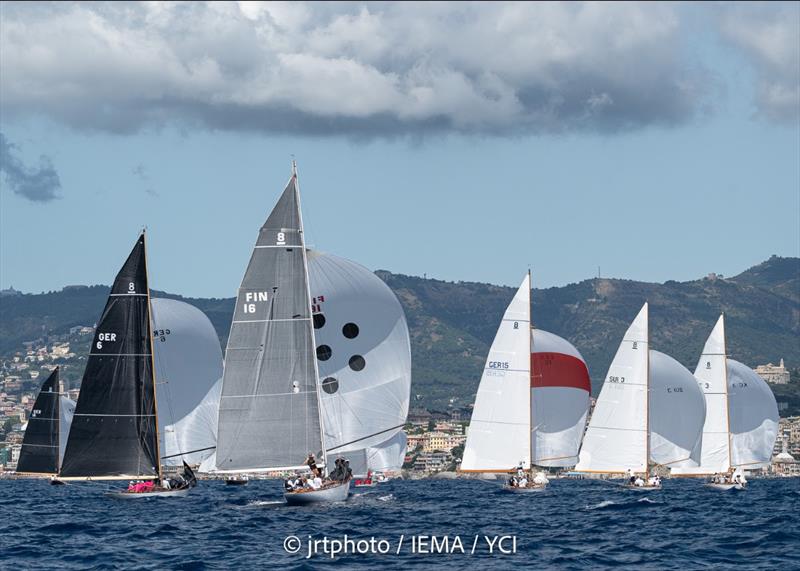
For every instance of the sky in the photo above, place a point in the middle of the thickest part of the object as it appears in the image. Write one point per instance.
(462, 141)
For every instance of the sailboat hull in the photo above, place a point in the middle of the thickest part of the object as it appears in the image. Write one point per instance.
(725, 487)
(337, 493)
(526, 490)
(140, 495)
(642, 488)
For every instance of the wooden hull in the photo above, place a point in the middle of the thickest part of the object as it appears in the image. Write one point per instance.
(337, 493)
(125, 495)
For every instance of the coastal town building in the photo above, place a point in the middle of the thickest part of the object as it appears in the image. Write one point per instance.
(778, 375)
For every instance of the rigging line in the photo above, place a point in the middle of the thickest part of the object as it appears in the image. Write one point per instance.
(365, 437)
(189, 452)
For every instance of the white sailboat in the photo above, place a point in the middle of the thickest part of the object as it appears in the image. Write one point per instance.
(270, 416)
(741, 422)
(649, 409)
(532, 400)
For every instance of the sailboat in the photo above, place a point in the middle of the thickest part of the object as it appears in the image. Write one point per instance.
(45, 436)
(741, 423)
(115, 433)
(269, 416)
(650, 409)
(532, 400)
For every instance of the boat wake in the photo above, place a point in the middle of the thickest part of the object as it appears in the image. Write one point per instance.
(262, 503)
(613, 505)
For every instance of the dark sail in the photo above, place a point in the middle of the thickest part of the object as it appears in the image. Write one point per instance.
(269, 410)
(113, 432)
(39, 454)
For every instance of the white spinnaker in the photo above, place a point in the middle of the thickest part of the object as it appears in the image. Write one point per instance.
(66, 410)
(616, 439)
(754, 417)
(188, 363)
(499, 431)
(195, 431)
(711, 377)
(364, 354)
(677, 413)
(560, 401)
(390, 455)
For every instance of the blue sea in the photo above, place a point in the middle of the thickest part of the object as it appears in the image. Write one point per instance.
(422, 524)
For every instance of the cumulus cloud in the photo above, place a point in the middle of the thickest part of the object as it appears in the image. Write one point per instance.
(770, 37)
(38, 184)
(344, 68)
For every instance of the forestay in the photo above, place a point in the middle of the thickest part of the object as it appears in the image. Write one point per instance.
(754, 417)
(499, 432)
(616, 439)
(269, 415)
(363, 352)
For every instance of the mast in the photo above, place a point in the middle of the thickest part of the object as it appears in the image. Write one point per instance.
(647, 405)
(530, 376)
(313, 337)
(727, 400)
(152, 358)
(58, 420)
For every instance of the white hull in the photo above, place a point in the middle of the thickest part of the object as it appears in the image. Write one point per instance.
(337, 493)
(525, 490)
(642, 488)
(725, 486)
(139, 495)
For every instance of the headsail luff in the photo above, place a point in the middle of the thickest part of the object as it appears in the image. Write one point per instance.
(114, 431)
(40, 445)
(499, 434)
(269, 409)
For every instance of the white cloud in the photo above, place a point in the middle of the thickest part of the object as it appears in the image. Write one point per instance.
(770, 37)
(359, 69)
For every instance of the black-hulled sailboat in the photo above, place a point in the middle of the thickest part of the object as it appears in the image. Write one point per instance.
(114, 432)
(45, 436)
(269, 415)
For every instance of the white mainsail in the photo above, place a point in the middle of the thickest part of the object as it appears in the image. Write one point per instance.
(560, 392)
(363, 352)
(616, 439)
(711, 375)
(499, 432)
(754, 417)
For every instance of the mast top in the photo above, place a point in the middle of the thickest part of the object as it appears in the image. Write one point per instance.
(294, 167)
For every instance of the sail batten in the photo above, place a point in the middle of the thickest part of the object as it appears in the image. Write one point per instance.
(269, 410)
(114, 431)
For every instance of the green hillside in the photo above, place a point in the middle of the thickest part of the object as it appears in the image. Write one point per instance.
(453, 324)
